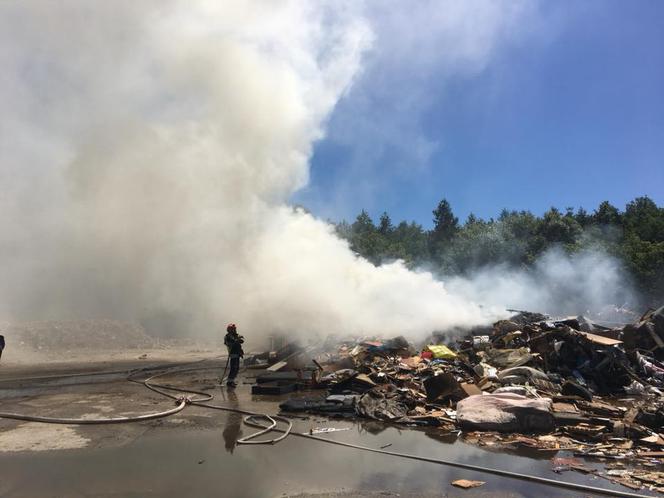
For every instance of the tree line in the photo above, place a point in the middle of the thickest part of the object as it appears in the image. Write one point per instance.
(635, 236)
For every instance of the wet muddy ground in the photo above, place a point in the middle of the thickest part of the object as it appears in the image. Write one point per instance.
(193, 453)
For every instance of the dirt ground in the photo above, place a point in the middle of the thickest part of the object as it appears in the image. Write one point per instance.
(35, 344)
(92, 390)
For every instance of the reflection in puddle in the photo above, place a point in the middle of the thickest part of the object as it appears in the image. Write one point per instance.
(233, 429)
(186, 462)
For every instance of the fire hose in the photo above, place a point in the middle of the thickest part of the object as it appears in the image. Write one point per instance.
(182, 403)
(252, 419)
(438, 461)
(223, 375)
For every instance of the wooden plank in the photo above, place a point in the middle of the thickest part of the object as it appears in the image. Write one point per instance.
(598, 339)
(564, 407)
(470, 389)
(651, 454)
(277, 366)
(655, 337)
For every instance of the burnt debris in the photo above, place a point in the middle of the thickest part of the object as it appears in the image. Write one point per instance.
(530, 381)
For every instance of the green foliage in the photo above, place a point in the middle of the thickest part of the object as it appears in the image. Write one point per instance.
(645, 260)
(583, 218)
(606, 214)
(644, 220)
(643, 246)
(518, 238)
(560, 229)
(445, 224)
(410, 243)
(385, 226)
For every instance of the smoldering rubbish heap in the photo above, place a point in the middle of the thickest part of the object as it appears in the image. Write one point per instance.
(551, 385)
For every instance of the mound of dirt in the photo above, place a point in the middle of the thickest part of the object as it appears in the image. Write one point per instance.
(76, 334)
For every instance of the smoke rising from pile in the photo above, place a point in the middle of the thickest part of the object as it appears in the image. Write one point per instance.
(558, 284)
(148, 153)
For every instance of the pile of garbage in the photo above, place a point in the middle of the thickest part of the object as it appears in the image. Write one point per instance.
(530, 381)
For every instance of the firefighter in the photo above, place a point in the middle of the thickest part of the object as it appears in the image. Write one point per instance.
(233, 342)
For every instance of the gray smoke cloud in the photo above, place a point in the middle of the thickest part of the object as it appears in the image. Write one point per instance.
(147, 154)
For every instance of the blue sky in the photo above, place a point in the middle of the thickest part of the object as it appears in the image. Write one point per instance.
(518, 105)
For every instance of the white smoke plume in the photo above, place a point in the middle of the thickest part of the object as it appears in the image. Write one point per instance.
(148, 151)
(558, 284)
(147, 154)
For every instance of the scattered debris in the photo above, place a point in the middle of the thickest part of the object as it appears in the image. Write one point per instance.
(277, 366)
(549, 385)
(276, 387)
(326, 430)
(505, 413)
(467, 484)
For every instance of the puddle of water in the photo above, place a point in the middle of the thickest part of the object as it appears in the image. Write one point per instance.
(208, 463)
